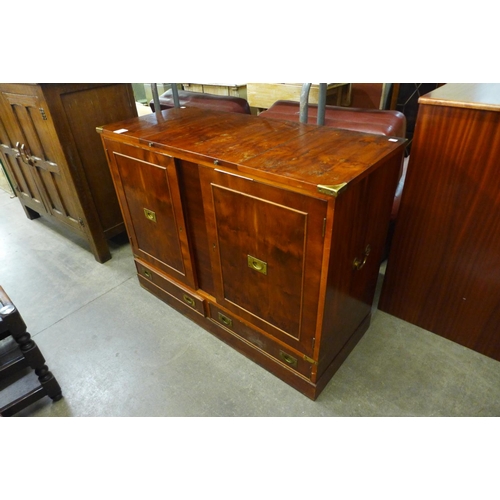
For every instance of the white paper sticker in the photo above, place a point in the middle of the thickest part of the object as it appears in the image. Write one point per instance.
(120, 131)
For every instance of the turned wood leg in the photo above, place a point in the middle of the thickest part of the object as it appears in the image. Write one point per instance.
(36, 361)
(49, 383)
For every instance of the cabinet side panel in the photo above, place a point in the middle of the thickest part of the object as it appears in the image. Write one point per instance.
(84, 110)
(361, 221)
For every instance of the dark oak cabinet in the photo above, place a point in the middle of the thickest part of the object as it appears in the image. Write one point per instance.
(268, 234)
(54, 160)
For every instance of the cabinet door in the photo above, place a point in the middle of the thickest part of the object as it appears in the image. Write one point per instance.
(35, 158)
(148, 191)
(267, 248)
(21, 173)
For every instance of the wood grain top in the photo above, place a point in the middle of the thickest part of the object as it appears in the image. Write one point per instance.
(297, 154)
(484, 96)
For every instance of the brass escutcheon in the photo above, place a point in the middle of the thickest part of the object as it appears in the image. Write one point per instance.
(150, 215)
(257, 264)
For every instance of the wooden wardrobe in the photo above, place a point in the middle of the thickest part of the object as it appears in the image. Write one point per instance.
(54, 159)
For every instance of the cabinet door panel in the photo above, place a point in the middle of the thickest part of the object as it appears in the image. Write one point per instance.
(21, 173)
(38, 168)
(149, 195)
(268, 248)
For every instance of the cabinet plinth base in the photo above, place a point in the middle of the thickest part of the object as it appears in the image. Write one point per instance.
(293, 378)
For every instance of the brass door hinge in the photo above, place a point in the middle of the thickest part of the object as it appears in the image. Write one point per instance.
(81, 222)
(42, 112)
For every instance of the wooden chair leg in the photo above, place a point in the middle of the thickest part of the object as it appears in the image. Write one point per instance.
(36, 361)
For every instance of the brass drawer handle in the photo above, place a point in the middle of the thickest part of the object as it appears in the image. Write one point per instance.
(189, 300)
(225, 320)
(359, 263)
(147, 274)
(257, 264)
(289, 360)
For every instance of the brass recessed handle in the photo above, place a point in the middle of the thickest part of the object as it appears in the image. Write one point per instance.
(150, 215)
(189, 300)
(146, 273)
(257, 264)
(359, 263)
(225, 320)
(289, 360)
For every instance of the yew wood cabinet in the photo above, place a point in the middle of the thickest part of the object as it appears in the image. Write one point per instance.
(266, 233)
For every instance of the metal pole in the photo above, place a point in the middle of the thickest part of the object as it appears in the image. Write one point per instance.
(304, 102)
(321, 104)
(175, 95)
(156, 98)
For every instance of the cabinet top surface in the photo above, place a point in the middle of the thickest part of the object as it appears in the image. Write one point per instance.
(298, 154)
(484, 96)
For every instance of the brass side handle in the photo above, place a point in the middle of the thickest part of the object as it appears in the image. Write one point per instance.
(189, 300)
(359, 263)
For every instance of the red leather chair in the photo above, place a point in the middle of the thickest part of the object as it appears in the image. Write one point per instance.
(372, 121)
(206, 101)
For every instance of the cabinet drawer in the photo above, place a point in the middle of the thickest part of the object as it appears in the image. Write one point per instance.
(174, 290)
(287, 357)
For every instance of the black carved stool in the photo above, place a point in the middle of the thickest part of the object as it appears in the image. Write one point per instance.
(26, 354)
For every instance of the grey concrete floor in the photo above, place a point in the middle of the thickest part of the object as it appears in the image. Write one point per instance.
(116, 350)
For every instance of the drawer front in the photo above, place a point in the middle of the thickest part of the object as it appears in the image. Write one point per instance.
(287, 357)
(176, 291)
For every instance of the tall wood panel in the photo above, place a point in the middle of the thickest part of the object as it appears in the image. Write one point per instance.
(443, 272)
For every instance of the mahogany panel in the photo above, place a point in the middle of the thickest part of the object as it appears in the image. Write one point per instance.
(443, 272)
